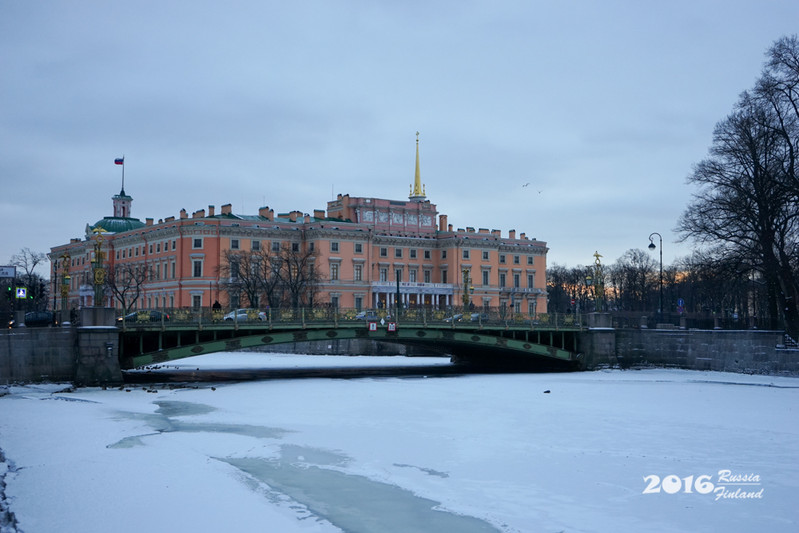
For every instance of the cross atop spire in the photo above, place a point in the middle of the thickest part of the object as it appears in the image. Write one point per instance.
(417, 192)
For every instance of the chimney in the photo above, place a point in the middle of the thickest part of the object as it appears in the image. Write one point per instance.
(319, 213)
(148, 221)
(169, 219)
(512, 234)
(198, 214)
(210, 210)
(449, 228)
(268, 214)
(183, 214)
(442, 222)
(306, 218)
(496, 233)
(227, 209)
(293, 215)
(523, 236)
(482, 230)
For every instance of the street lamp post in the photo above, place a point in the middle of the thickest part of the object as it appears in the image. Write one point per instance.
(98, 270)
(398, 304)
(65, 279)
(55, 285)
(652, 247)
(599, 283)
(589, 280)
(466, 282)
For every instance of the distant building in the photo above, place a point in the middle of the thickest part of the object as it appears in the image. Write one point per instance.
(360, 248)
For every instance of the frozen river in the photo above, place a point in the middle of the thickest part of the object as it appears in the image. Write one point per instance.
(649, 450)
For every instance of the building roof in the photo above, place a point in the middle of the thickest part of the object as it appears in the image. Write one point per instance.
(116, 224)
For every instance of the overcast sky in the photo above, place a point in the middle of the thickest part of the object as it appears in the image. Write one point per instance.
(603, 107)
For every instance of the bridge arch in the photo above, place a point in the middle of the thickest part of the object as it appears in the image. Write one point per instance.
(490, 348)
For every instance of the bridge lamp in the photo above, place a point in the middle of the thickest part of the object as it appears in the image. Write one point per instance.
(466, 284)
(65, 279)
(589, 280)
(652, 248)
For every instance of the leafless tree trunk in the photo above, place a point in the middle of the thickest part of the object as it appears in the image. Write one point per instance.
(125, 283)
(286, 276)
(747, 203)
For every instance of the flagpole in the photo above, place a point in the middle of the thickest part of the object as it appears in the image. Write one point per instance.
(123, 172)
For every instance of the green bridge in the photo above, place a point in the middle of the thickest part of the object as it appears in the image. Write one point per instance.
(545, 341)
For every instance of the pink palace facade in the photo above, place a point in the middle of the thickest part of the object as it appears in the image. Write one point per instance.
(362, 247)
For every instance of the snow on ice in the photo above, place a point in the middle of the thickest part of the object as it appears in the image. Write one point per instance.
(649, 450)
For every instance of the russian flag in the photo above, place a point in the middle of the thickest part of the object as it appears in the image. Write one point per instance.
(119, 161)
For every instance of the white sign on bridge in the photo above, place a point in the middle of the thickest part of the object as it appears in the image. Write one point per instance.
(8, 272)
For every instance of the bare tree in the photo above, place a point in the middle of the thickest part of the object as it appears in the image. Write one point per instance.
(567, 285)
(241, 275)
(632, 278)
(28, 260)
(777, 90)
(744, 207)
(285, 276)
(559, 299)
(125, 282)
(299, 274)
(37, 286)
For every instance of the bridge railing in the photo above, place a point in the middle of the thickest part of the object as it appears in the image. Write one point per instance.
(335, 317)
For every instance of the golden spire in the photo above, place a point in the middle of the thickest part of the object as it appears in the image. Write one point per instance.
(418, 193)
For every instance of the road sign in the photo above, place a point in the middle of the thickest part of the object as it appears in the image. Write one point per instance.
(372, 326)
(8, 272)
(22, 293)
(680, 302)
(392, 326)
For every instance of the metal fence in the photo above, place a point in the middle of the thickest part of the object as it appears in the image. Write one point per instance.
(326, 316)
(704, 321)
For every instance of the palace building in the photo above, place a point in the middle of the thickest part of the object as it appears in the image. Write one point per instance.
(363, 253)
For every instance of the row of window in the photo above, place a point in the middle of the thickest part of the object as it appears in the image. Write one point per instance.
(412, 253)
(516, 278)
(255, 246)
(335, 247)
(502, 257)
(137, 250)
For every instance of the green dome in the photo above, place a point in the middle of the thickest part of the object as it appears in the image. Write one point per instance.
(116, 224)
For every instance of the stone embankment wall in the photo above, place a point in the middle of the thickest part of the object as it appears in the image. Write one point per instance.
(37, 355)
(86, 355)
(747, 351)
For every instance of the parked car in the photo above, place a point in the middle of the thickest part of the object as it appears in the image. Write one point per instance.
(370, 316)
(454, 318)
(241, 315)
(479, 317)
(144, 316)
(35, 319)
